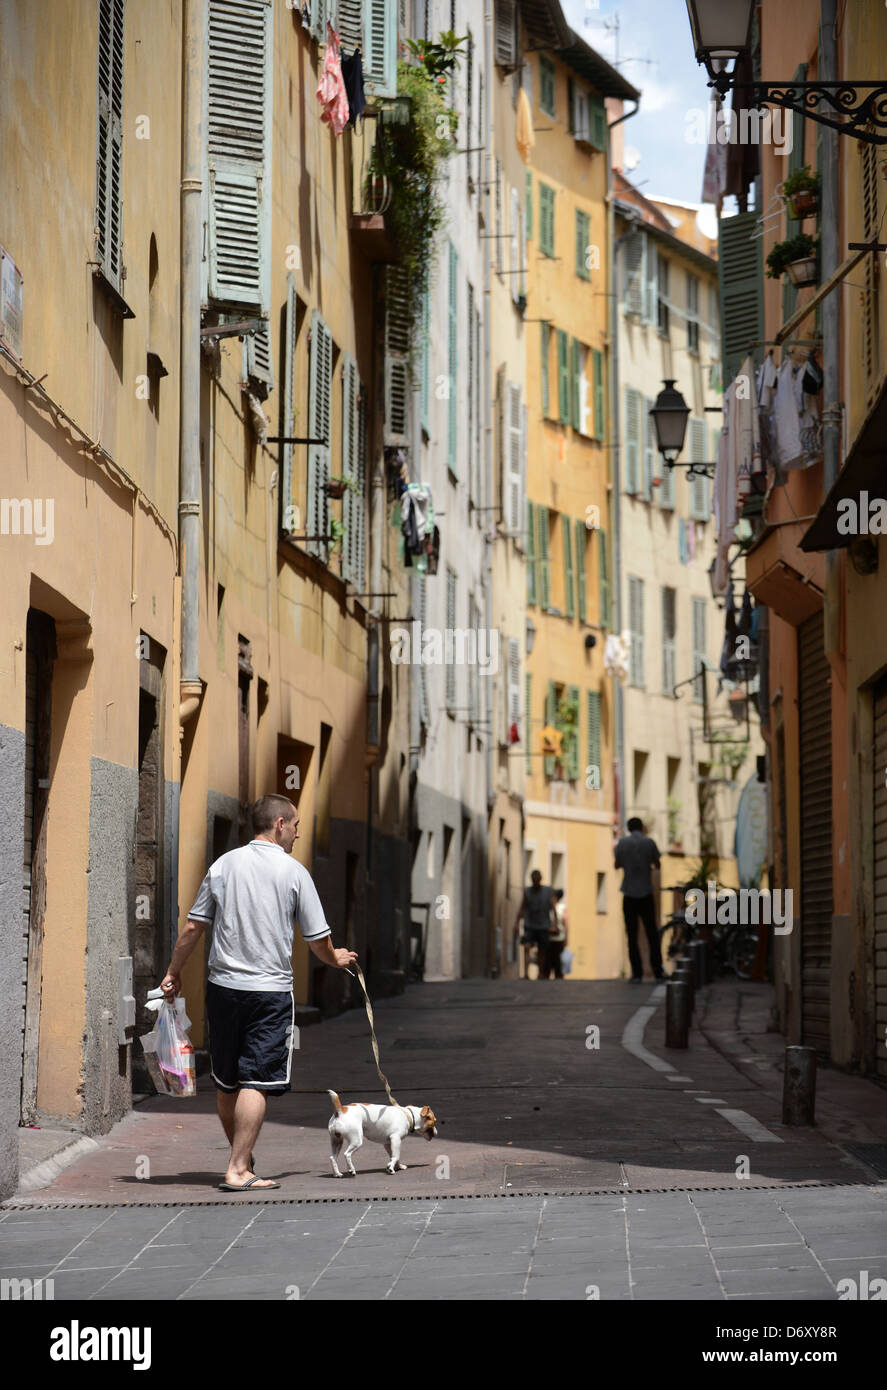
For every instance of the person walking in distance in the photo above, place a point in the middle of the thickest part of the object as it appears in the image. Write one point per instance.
(540, 920)
(252, 897)
(557, 940)
(636, 855)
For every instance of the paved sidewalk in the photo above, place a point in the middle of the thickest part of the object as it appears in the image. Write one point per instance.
(525, 1104)
(711, 1246)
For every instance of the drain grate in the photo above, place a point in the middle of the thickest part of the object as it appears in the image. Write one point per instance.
(15, 1204)
(874, 1156)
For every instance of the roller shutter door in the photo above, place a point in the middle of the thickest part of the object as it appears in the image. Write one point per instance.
(814, 699)
(880, 870)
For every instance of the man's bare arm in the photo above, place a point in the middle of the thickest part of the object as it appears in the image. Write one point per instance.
(330, 955)
(189, 936)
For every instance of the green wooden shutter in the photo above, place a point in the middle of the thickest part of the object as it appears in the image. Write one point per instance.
(288, 412)
(546, 339)
(598, 122)
(603, 578)
(569, 572)
(542, 557)
(581, 538)
(633, 274)
(397, 348)
(632, 440)
(453, 403)
(108, 215)
(600, 424)
(528, 206)
(239, 67)
(546, 219)
(578, 353)
(353, 468)
(531, 555)
(593, 716)
(583, 233)
(320, 384)
(740, 289)
(698, 644)
(571, 742)
(551, 720)
(563, 377)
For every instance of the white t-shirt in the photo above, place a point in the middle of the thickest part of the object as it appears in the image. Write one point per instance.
(253, 896)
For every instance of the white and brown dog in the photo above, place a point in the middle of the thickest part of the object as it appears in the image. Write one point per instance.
(383, 1124)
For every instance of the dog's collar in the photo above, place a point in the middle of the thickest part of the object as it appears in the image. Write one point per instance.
(409, 1111)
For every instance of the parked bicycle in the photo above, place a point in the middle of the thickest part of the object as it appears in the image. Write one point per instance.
(734, 944)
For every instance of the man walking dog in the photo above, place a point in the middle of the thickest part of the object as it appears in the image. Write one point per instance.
(252, 897)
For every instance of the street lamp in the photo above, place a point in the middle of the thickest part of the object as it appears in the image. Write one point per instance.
(670, 415)
(720, 30)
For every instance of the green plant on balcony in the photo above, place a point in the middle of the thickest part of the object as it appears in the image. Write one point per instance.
(337, 533)
(673, 807)
(567, 723)
(730, 758)
(800, 192)
(798, 255)
(416, 134)
(438, 59)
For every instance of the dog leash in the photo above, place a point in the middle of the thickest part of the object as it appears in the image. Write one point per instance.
(369, 1008)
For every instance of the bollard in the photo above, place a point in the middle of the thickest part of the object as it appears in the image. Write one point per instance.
(697, 950)
(677, 1013)
(684, 974)
(799, 1086)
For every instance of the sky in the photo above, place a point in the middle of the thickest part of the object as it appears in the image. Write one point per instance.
(653, 50)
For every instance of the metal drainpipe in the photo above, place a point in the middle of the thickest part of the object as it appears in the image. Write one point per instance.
(616, 598)
(487, 489)
(831, 415)
(190, 685)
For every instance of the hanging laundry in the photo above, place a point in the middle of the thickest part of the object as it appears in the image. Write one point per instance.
(616, 655)
(331, 87)
(796, 423)
(745, 433)
(523, 127)
(352, 74)
(417, 522)
(432, 550)
(724, 505)
(728, 650)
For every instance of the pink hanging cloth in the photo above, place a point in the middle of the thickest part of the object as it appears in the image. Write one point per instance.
(331, 87)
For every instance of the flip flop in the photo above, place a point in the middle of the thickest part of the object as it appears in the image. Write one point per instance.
(229, 1187)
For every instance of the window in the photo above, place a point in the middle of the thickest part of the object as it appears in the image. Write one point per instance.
(633, 274)
(546, 219)
(699, 484)
(578, 387)
(598, 114)
(506, 33)
(699, 611)
(692, 312)
(542, 568)
(580, 124)
(593, 745)
(473, 691)
(669, 679)
(397, 348)
(569, 573)
(371, 27)
(547, 98)
(648, 433)
(238, 154)
(662, 319)
(453, 359)
(512, 698)
(583, 224)
(636, 629)
(451, 624)
(110, 142)
(512, 435)
(563, 377)
(666, 488)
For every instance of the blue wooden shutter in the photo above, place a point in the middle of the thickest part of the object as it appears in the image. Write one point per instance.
(108, 215)
(380, 48)
(354, 469)
(238, 144)
(632, 439)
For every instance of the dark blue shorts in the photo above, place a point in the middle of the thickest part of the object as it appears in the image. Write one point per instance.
(251, 1038)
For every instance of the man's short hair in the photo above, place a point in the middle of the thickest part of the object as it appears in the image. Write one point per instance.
(558, 893)
(268, 809)
(537, 873)
(635, 824)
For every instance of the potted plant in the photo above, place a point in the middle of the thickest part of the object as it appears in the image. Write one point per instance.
(800, 192)
(798, 255)
(674, 825)
(335, 487)
(337, 531)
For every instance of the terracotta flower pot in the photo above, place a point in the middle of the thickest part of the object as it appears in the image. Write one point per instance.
(803, 204)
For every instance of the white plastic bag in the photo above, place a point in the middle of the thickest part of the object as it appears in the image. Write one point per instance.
(566, 960)
(169, 1054)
